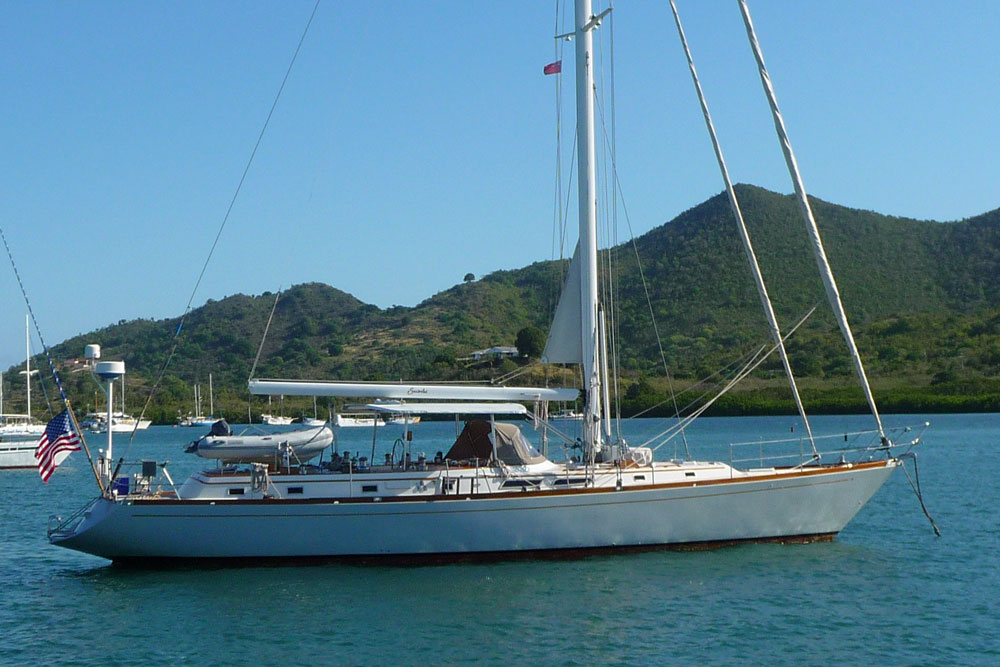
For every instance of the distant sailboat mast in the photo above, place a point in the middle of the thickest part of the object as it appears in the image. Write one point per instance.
(27, 362)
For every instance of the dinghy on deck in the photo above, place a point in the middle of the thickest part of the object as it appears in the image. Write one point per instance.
(301, 445)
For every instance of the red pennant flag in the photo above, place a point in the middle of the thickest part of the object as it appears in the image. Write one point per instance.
(553, 68)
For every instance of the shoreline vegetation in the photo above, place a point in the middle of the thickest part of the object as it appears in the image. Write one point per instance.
(923, 298)
(653, 399)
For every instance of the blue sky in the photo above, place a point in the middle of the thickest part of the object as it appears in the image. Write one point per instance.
(416, 143)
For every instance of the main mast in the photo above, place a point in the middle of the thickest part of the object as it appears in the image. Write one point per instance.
(587, 179)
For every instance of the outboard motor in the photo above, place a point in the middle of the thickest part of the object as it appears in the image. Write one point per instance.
(221, 428)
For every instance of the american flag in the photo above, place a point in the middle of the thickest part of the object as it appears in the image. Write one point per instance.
(553, 68)
(58, 437)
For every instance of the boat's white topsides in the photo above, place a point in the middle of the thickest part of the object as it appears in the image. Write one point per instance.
(444, 511)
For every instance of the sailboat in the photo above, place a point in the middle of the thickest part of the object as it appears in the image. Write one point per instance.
(199, 419)
(121, 421)
(273, 419)
(19, 433)
(492, 494)
(314, 420)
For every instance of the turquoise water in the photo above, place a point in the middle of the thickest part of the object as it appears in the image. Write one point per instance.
(887, 591)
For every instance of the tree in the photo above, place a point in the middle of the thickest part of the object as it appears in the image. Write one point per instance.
(469, 277)
(530, 341)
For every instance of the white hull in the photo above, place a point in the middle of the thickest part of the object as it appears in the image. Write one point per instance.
(765, 506)
(275, 421)
(21, 454)
(403, 419)
(9, 431)
(118, 425)
(128, 427)
(348, 421)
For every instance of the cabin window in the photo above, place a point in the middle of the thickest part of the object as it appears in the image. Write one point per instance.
(563, 481)
(520, 483)
(689, 474)
(638, 478)
(295, 489)
(369, 488)
(236, 491)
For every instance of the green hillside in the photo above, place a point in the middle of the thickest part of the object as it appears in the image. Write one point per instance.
(924, 298)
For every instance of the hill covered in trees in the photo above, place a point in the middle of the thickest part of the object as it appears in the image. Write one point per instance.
(924, 298)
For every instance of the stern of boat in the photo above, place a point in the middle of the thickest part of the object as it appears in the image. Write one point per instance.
(78, 530)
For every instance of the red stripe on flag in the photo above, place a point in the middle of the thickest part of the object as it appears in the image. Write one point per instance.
(58, 437)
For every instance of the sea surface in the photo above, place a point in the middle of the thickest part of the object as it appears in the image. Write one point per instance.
(886, 591)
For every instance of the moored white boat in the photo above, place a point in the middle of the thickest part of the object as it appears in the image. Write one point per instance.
(17, 426)
(120, 423)
(275, 420)
(20, 453)
(20, 426)
(356, 420)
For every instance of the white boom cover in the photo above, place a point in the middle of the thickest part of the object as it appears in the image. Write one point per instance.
(409, 391)
(448, 408)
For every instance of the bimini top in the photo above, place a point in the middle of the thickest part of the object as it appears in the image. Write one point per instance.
(511, 447)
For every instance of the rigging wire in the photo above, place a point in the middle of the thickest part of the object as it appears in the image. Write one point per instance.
(603, 258)
(826, 273)
(260, 349)
(707, 380)
(751, 366)
(645, 284)
(560, 210)
(614, 307)
(744, 234)
(48, 358)
(41, 383)
(557, 209)
(225, 219)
